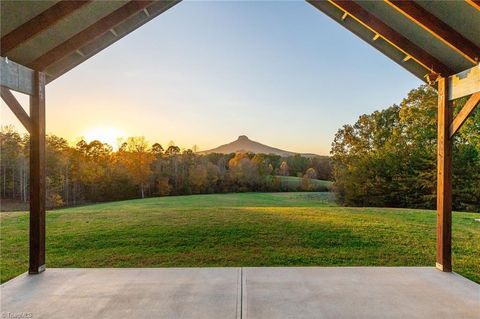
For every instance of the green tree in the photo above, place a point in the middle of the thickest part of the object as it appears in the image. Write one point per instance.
(388, 158)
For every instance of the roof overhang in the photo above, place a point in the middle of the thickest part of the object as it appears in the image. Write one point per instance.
(424, 37)
(56, 36)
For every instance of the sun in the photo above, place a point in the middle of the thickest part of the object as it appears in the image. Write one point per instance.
(104, 134)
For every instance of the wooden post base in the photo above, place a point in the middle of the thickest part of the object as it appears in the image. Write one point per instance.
(37, 271)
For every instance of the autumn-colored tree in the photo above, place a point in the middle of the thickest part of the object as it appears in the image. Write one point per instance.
(243, 171)
(263, 164)
(163, 186)
(138, 157)
(306, 184)
(93, 171)
(311, 173)
(198, 178)
(284, 171)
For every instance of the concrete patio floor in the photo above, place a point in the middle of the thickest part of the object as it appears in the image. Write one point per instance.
(292, 292)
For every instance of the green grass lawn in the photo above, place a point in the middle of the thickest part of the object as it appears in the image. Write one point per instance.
(294, 183)
(249, 229)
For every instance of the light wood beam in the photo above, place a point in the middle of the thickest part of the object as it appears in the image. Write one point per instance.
(394, 38)
(89, 34)
(464, 83)
(474, 3)
(444, 179)
(16, 107)
(40, 23)
(37, 176)
(437, 28)
(464, 113)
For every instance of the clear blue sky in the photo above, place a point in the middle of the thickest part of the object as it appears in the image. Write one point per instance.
(203, 73)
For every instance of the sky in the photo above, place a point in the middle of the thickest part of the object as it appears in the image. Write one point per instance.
(203, 73)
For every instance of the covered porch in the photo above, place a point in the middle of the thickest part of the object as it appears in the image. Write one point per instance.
(435, 42)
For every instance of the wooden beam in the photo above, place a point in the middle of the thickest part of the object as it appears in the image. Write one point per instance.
(40, 23)
(464, 83)
(439, 29)
(89, 34)
(394, 38)
(474, 3)
(15, 76)
(16, 107)
(97, 45)
(37, 176)
(444, 179)
(464, 113)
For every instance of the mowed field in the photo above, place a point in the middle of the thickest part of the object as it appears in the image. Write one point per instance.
(293, 183)
(248, 229)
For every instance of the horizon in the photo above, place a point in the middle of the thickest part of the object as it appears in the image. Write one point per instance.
(182, 85)
(119, 140)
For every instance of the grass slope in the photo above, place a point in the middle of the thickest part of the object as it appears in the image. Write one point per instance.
(294, 183)
(249, 229)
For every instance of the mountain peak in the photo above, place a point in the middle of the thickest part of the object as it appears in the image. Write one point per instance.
(244, 144)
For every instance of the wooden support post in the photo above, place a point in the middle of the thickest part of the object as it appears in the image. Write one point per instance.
(444, 179)
(37, 175)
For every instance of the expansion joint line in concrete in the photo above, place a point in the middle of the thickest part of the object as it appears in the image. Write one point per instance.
(241, 292)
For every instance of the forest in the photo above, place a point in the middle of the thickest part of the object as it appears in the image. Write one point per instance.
(388, 158)
(385, 159)
(94, 172)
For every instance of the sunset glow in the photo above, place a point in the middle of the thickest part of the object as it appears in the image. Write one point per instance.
(175, 92)
(105, 134)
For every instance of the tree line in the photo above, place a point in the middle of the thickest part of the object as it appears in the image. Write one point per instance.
(95, 172)
(388, 158)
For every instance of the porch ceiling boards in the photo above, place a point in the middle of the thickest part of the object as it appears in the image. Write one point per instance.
(56, 36)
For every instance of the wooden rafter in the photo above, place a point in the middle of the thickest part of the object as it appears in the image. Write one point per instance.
(16, 107)
(464, 113)
(474, 3)
(89, 34)
(41, 22)
(395, 39)
(437, 28)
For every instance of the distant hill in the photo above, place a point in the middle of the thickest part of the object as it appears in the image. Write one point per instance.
(244, 144)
